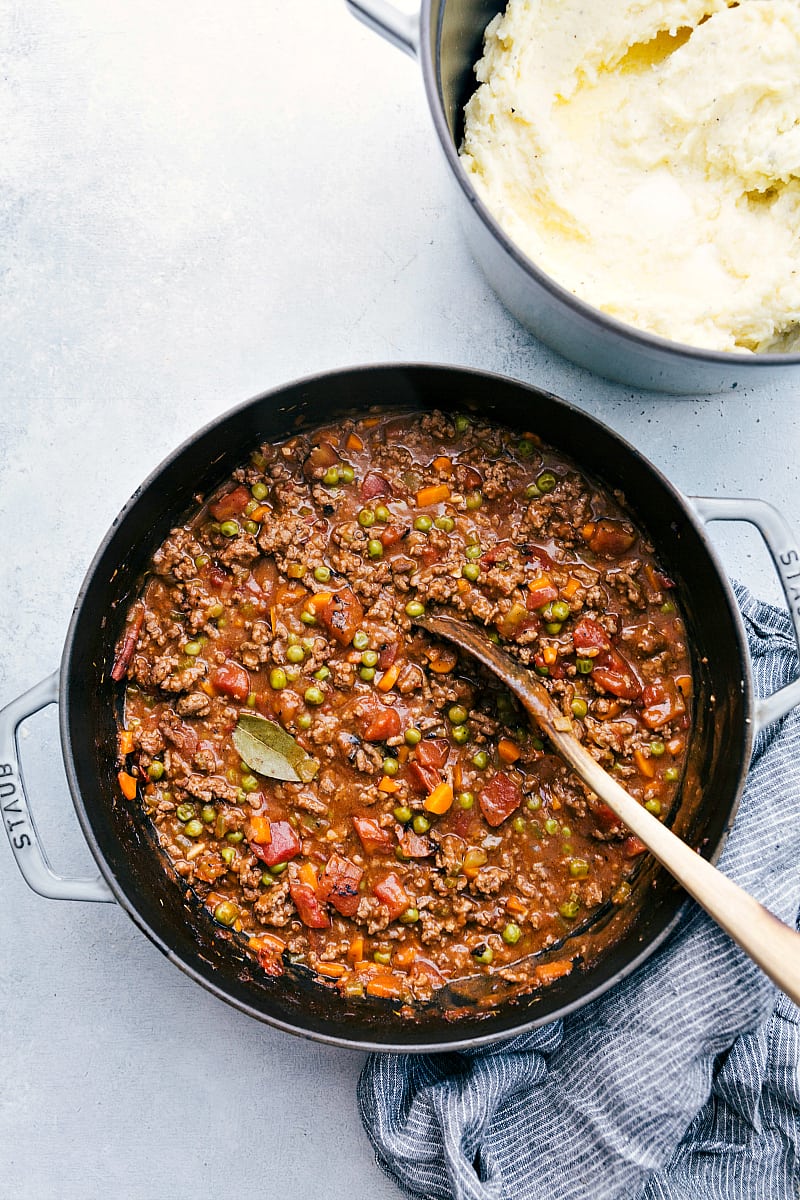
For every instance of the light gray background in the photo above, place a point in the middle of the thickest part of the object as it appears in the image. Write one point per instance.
(198, 202)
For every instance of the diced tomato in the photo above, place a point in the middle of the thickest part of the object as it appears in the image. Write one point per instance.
(497, 553)
(538, 555)
(270, 960)
(606, 817)
(322, 456)
(374, 838)
(391, 535)
(554, 670)
(589, 637)
(374, 485)
(232, 679)
(391, 892)
(339, 885)
(632, 846)
(341, 615)
(387, 655)
(285, 844)
(614, 673)
(380, 723)
(541, 596)
(230, 505)
(309, 909)
(216, 576)
(500, 798)
(426, 765)
(663, 702)
(414, 846)
(610, 538)
(467, 477)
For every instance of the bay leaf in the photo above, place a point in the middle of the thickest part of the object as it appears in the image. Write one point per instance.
(270, 750)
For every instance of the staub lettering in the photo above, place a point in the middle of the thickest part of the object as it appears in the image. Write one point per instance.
(12, 807)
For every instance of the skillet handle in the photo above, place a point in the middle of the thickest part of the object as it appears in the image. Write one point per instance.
(784, 551)
(399, 28)
(17, 817)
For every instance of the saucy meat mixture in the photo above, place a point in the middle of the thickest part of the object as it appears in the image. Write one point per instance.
(429, 833)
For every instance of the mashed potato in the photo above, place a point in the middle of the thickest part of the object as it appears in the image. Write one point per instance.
(646, 155)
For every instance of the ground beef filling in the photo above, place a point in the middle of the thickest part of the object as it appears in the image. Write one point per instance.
(439, 835)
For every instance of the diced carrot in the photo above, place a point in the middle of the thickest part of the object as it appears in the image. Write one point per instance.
(128, 785)
(388, 987)
(462, 585)
(389, 676)
(125, 741)
(318, 600)
(645, 766)
(444, 661)
(388, 785)
(548, 972)
(366, 967)
(266, 941)
(402, 753)
(295, 570)
(213, 899)
(404, 957)
(652, 789)
(684, 682)
(208, 687)
(442, 463)
(355, 951)
(515, 905)
(370, 422)
(273, 618)
(458, 777)
(540, 583)
(259, 513)
(331, 970)
(570, 588)
(588, 529)
(308, 875)
(258, 830)
(440, 799)
(509, 751)
(354, 442)
(675, 746)
(549, 654)
(435, 493)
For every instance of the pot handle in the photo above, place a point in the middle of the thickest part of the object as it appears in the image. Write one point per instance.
(399, 28)
(784, 551)
(17, 817)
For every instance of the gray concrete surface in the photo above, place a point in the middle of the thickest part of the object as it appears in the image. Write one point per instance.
(197, 202)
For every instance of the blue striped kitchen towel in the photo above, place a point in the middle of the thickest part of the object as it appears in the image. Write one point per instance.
(682, 1083)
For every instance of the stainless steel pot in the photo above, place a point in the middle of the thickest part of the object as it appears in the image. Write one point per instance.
(447, 36)
(133, 870)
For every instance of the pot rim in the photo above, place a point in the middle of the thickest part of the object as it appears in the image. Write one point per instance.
(431, 73)
(128, 905)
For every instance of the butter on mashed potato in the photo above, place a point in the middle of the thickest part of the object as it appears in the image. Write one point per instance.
(646, 155)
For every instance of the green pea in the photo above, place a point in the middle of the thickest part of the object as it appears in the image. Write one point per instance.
(421, 824)
(367, 674)
(208, 813)
(671, 774)
(480, 760)
(251, 526)
(667, 607)
(546, 482)
(322, 673)
(457, 714)
(423, 524)
(519, 824)
(410, 916)
(277, 679)
(292, 673)
(553, 627)
(653, 806)
(400, 854)
(551, 826)
(370, 658)
(383, 957)
(657, 749)
(415, 608)
(192, 649)
(277, 869)
(390, 766)
(360, 640)
(412, 736)
(537, 743)
(216, 610)
(322, 574)
(466, 799)
(533, 803)
(307, 617)
(584, 666)
(184, 812)
(525, 448)
(483, 954)
(155, 770)
(402, 813)
(471, 571)
(382, 514)
(259, 491)
(578, 868)
(446, 524)
(304, 721)
(542, 670)
(193, 828)
(473, 551)
(226, 912)
(295, 654)
(366, 517)
(227, 854)
(531, 491)
(569, 908)
(234, 837)
(579, 708)
(462, 423)
(314, 695)
(201, 561)
(511, 934)
(375, 548)
(560, 610)
(346, 473)
(460, 734)
(229, 528)
(566, 831)
(474, 500)
(331, 477)
(249, 783)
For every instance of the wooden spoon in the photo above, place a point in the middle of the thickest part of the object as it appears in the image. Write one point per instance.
(770, 943)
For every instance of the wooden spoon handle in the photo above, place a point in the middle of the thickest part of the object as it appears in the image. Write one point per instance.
(770, 943)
